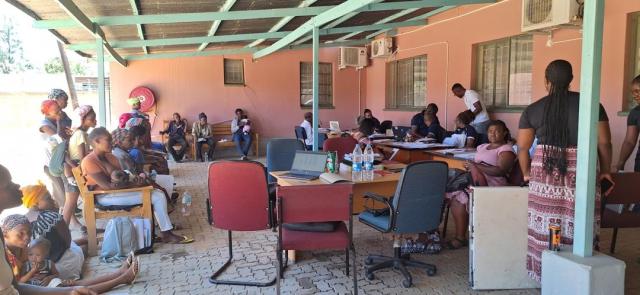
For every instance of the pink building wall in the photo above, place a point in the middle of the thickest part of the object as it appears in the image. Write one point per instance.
(448, 41)
(271, 96)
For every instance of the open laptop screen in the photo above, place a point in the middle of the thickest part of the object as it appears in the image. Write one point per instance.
(309, 162)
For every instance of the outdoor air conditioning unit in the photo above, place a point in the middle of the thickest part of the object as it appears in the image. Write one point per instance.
(381, 47)
(352, 57)
(545, 14)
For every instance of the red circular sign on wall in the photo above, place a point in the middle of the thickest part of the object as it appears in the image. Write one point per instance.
(147, 99)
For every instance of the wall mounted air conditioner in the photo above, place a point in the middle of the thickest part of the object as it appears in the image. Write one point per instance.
(352, 57)
(546, 14)
(381, 47)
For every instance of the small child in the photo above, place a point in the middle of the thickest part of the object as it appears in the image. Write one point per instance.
(247, 125)
(119, 177)
(39, 270)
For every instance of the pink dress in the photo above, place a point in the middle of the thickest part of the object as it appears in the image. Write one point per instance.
(490, 157)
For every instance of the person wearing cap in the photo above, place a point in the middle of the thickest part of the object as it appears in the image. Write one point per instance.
(135, 104)
(202, 133)
(61, 97)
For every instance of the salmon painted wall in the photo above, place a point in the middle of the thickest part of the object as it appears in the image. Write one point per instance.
(271, 95)
(448, 41)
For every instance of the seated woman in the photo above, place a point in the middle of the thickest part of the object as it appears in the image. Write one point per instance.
(365, 129)
(142, 156)
(16, 231)
(492, 164)
(97, 168)
(463, 126)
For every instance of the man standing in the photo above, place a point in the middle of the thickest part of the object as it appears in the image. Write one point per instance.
(474, 104)
(176, 131)
(241, 138)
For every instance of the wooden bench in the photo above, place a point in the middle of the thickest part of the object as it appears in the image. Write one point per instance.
(222, 130)
(188, 137)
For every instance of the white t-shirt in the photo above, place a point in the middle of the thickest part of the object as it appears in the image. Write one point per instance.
(470, 98)
(307, 128)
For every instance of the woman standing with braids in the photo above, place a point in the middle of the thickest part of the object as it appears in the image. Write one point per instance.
(552, 173)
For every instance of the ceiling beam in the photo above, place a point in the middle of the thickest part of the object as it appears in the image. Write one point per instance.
(216, 23)
(337, 12)
(134, 9)
(74, 12)
(282, 22)
(242, 14)
(382, 21)
(238, 37)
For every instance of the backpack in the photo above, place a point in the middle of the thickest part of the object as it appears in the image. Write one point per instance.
(458, 180)
(123, 235)
(56, 164)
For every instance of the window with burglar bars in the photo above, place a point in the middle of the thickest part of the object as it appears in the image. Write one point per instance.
(635, 60)
(325, 84)
(407, 83)
(233, 72)
(504, 72)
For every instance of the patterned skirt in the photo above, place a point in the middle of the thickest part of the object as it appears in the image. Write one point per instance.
(552, 200)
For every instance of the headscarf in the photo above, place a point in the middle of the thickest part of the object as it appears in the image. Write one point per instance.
(47, 105)
(56, 93)
(123, 119)
(133, 100)
(31, 194)
(12, 221)
(133, 122)
(118, 136)
(81, 113)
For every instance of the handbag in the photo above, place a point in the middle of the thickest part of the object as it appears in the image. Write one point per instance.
(458, 180)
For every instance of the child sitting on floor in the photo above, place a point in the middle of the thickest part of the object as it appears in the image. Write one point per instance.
(39, 270)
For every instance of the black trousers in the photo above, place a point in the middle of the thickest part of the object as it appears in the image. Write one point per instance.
(212, 146)
(177, 155)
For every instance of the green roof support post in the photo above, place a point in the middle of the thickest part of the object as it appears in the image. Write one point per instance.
(587, 130)
(102, 101)
(316, 85)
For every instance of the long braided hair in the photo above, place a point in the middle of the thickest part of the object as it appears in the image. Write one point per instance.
(559, 75)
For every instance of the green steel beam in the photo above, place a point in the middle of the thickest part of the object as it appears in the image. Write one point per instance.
(315, 74)
(72, 10)
(319, 20)
(134, 9)
(420, 17)
(347, 43)
(590, 75)
(216, 23)
(282, 22)
(170, 55)
(241, 14)
(238, 37)
(382, 21)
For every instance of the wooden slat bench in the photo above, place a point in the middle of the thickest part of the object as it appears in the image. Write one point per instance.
(222, 130)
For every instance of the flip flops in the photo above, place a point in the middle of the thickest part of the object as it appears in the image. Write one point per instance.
(460, 244)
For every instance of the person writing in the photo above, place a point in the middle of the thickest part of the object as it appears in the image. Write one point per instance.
(418, 126)
(474, 104)
(176, 131)
(202, 133)
(551, 174)
(633, 128)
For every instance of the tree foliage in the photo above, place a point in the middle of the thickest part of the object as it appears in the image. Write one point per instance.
(12, 58)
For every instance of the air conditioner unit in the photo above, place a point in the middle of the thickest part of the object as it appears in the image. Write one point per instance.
(381, 47)
(545, 14)
(352, 57)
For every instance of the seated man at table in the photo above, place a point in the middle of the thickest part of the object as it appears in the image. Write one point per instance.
(418, 126)
(434, 130)
(308, 129)
(369, 115)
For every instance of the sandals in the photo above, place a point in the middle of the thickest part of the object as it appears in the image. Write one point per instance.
(130, 258)
(136, 270)
(185, 240)
(456, 244)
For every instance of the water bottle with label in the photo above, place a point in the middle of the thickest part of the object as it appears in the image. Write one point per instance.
(356, 167)
(186, 204)
(367, 171)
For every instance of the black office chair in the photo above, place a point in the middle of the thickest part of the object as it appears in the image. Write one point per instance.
(384, 126)
(280, 154)
(301, 135)
(415, 208)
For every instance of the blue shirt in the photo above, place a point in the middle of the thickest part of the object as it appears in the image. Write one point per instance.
(136, 155)
(418, 120)
(436, 131)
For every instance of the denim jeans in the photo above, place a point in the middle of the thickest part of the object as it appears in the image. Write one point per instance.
(177, 155)
(243, 142)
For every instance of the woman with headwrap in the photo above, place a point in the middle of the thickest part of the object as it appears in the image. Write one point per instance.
(134, 102)
(61, 97)
(552, 174)
(52, 134)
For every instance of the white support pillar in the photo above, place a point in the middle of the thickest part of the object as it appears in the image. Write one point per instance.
(102, 101)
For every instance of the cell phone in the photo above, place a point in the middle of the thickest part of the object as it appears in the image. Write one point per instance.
(605, 185)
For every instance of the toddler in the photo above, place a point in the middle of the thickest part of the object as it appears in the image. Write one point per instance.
(119, 177)
(39, 270)
(247, 125)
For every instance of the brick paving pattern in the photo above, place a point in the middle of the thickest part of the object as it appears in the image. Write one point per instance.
(185, 269)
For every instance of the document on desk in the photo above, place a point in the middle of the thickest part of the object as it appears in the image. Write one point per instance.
(332, 178)
(467, 154)
(419, 145)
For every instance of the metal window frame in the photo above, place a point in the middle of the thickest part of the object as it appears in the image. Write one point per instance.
(225, 70)
(391, 103)
(322, 102)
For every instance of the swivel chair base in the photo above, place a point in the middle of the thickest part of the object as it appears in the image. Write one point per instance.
(399, 262)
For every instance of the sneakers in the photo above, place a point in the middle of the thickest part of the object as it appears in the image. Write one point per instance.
(244, 158)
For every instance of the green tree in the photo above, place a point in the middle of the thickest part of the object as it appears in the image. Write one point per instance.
(54, 66)
(78, 69)
(11, 52)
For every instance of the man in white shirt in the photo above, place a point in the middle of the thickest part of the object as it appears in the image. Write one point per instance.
(474, 104)
(308, 129)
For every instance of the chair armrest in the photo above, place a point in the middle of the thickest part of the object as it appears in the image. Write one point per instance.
(126, 190)
(377, 198)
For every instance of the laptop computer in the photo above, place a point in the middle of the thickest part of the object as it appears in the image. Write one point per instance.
(307, 165)
(400, 131)
(334, 126)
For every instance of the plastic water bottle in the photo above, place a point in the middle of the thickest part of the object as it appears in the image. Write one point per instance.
(367, 171)
(153, 175)
(356, 167)
(186, 204)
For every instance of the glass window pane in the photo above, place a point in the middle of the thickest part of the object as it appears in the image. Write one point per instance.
(502, 74)
(419, 81)
(520, 70)
(233, 71)
(488, 66)
(325, 84)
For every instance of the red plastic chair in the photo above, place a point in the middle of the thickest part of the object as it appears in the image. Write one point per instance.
(315, 203)
(238, 201)
(342, 145)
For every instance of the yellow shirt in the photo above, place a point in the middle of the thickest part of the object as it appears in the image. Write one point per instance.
(79, 137)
